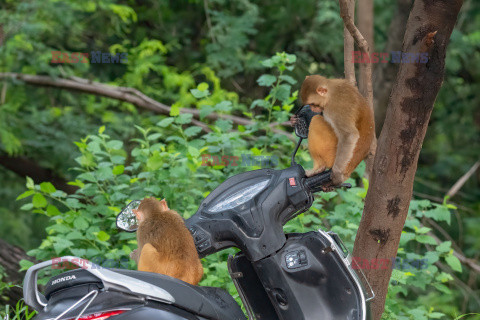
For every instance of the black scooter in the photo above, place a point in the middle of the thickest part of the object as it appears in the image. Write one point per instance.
(278, 276)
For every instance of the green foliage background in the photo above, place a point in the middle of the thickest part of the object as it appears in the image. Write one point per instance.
(216, 56)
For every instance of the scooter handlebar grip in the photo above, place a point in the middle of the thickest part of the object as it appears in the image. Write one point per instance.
(313, 183)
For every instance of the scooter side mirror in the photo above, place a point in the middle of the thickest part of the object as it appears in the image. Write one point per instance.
(304, 116)
(126, 219)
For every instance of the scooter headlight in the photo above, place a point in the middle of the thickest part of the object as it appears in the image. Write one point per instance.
(240, 197)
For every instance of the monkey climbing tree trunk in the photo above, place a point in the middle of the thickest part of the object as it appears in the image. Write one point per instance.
(429, 27)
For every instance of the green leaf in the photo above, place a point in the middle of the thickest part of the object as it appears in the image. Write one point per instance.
(444, 246)
(288, 79)
(104, 173)
(438, 213)
(454, 263)
(80, 223)
(30, 184)
(103, 236)
(194, 152)
(422, 230)
(74, 203)
(115, 144)
(101, 130)
(266, 80)
(53, 211)
(192, 131)
(39, 201)
(155, 162)
(224, 125)
(205, 111)
(282, 92)
(175, 109)
(260, 103)
(425, 239)
(61, 244)
(199, 94)
(47, 187)
(27, 207)
(154, 136)
(441, 287)
(25, 264)
(436, 315)
(184, 118)
(202, 86)
(27, 193)
(165, 122)
(224, 106)
(87, 176)
(117, 170)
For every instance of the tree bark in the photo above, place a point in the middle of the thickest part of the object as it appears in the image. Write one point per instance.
(349, 47)
(365, 25)
(429, 27)
(385, 73)
(10, 256)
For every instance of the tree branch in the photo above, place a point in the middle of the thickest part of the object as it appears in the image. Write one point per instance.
(459, 184)
(363, 45)
(365, 26)
(348, 47)
(25, 167)
(130, 95)
(471, 263)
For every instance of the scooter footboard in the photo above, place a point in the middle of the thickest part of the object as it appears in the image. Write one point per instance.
(309, 278)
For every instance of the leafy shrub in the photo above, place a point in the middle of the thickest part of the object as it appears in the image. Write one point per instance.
(165, 161)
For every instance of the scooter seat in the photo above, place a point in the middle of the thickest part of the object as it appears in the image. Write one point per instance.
(207, 302)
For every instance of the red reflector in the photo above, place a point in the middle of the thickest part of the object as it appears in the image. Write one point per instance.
(292, 182)
(101, 316)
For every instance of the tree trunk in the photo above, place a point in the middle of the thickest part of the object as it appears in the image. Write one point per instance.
(365, 25)
(385, 73)
(10, 256)
(429, 27)
(349, 47)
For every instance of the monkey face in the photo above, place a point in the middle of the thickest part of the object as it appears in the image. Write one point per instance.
(314, 91)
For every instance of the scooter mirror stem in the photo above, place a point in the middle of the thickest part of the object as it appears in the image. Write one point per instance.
(295, 151)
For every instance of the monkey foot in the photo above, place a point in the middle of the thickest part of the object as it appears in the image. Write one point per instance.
(328, 188)
(313, 172)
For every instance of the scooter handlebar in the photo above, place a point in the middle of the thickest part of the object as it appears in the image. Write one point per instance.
(316, 182)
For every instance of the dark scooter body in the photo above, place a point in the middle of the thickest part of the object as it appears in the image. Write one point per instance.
(277, 275)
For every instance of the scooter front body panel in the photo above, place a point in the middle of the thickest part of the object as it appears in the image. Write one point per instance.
(307, 279)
